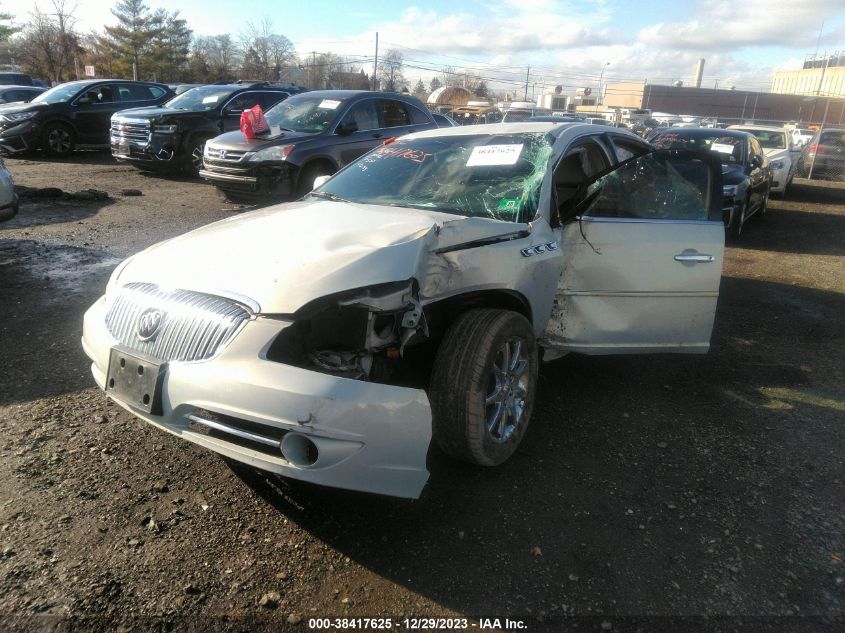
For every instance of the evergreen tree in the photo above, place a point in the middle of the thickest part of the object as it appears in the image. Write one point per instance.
(135, 30)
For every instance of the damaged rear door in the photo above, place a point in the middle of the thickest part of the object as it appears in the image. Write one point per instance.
(642, 251)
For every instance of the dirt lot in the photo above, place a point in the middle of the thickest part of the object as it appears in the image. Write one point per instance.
(650, 491)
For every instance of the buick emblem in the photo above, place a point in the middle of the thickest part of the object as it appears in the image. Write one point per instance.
(222, 154)
(149, 323)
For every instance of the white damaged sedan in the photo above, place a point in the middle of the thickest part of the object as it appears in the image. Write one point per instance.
(410, 298)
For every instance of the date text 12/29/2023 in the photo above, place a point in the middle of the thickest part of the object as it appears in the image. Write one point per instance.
(416, 624)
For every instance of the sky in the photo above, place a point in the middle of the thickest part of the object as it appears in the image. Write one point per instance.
(573, 43)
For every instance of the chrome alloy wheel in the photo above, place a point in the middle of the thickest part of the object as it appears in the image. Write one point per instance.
(59, 140)
(508, 389)
(196, 157)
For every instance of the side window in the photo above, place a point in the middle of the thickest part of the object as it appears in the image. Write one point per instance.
(626, 149)
(418, 117)
(363, 115)
(156, 92)
(104, 94)
(657, 186)
(394, 113)
(242, 102)
(583, 161)
(268, 99)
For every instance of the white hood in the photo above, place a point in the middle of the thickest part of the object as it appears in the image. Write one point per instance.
(284, 256)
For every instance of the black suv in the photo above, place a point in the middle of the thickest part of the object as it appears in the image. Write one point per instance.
(311, 134)
(73, 113)
(171, 137)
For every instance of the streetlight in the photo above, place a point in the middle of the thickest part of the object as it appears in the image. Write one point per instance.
(600, 100)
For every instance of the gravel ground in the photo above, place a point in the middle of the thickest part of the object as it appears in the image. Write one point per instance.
(652, 493)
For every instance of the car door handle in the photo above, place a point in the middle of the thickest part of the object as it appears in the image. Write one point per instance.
(697, 258)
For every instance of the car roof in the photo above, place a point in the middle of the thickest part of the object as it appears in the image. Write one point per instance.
(705, 131)
(762, 128)
(526, 127)
(15, 86)
(82, 83)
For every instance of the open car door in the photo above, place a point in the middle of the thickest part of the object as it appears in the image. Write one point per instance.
(642, 249)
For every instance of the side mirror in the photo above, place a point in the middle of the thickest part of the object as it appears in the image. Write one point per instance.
(756, 161)
(346, 128)
(319, 181)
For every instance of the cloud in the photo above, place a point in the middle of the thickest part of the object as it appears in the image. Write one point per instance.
(727, 24)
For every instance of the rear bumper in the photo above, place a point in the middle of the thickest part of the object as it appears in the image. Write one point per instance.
(367, 436)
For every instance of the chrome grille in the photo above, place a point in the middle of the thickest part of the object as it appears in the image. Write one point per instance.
(130, 130)
(224, 155)
(194, 326)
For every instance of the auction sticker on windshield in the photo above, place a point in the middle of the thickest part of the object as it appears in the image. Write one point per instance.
(211, 99)
(329, 104)
(724, 148)
(494, 155)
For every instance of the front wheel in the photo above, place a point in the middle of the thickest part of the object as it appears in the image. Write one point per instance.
(193, 159)
(764, 206)
(483, 385)
(57, 139)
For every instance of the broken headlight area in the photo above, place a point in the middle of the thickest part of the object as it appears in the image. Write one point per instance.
(372, 333)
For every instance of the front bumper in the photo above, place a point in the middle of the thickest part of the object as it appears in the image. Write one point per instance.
(780, 179)
(10, 210)
(369, 437)
(18, 137)
(159, 151)
(260, 179)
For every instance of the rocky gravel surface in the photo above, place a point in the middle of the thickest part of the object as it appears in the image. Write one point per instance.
(651, 493)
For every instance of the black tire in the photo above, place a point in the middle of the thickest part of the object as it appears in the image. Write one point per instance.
(764, 206)
(58, 139)
(465, 378)
(305, 181)
(192, 163)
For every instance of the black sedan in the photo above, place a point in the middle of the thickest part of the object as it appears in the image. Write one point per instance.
(73, 113)
(746, 176)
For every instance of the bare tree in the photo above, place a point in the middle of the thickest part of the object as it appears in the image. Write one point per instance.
(265, 53)
(49, 43)
(390, 70)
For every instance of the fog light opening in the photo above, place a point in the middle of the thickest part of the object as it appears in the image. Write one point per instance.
(299, 450)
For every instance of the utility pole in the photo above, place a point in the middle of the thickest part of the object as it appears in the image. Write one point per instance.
(527, 73)
(375, 64)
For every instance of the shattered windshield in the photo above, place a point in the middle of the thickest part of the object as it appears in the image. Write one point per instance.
(485, 175)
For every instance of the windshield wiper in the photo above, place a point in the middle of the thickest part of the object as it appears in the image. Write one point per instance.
(327, 195)
(427, 206)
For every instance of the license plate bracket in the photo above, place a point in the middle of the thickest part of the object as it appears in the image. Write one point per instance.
(123, 148)
(135, 380)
